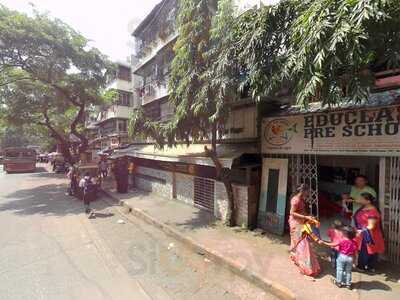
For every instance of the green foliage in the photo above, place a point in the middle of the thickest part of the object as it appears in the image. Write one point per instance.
(321, 49)
(189, 64)
(142, 127)
(50, 67)
(19, 136)
(196, 99)
(261, 42)
(325, 50)
(12, 137)
(221, 75)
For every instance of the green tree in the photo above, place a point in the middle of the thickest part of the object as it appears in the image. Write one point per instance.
(191, 119)
(336, 46)
(261, 39)
(46, 63)
(201, 100)
(13, 137)
(319, 49)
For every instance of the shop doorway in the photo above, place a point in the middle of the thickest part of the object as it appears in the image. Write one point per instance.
(336, 176)
(273, 195)
(329, 177)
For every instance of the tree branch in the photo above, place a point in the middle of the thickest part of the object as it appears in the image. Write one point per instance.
(79, 117)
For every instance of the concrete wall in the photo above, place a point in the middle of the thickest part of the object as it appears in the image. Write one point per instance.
(241, 194)
(123, 85)
(118, 111)
(185, 188)
(147, 181)
(220, 201)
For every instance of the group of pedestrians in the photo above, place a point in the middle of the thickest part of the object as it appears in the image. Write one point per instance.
(355, 243)
(85, 187)
(124, 173)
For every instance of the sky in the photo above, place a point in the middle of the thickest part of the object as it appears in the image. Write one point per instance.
(105, 22)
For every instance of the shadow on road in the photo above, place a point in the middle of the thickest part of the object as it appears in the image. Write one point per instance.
(44, 200)
(40, 170)
(372, 285)
(46, 174)
(102, 215)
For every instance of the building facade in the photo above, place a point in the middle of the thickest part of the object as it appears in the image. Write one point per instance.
(327, 148)
(185, 173)
(154, 38)
(109, 127)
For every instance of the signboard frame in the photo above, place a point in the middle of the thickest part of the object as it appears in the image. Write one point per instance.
(372, 131)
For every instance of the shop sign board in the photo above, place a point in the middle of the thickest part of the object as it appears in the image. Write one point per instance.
(362, 131)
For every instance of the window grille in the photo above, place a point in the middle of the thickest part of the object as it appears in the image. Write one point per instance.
(204, 193)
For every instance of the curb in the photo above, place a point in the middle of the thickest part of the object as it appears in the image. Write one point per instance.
(272, 287)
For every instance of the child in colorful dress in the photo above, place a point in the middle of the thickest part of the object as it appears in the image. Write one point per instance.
(335, 235)
(344, 262)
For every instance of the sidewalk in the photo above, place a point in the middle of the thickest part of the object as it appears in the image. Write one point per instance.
(262, 259)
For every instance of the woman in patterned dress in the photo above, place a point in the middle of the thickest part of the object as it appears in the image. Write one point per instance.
(302, 254)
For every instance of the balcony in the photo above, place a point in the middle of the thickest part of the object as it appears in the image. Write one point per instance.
(115, 111)
(147, 52)
(153, 91)
(123, 85)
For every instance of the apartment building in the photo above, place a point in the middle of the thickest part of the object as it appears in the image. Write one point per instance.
(185, 173)
(155, 37)
(109, 128)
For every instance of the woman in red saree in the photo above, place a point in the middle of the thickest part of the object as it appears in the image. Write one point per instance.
(371, 243)
(302, 253)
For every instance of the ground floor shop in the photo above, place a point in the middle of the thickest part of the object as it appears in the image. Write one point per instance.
(328, 151)
(190, 177)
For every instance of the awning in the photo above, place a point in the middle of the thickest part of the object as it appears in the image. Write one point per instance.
(193, 154)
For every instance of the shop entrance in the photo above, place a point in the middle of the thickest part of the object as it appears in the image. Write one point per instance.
(329, 177)
(336, 176)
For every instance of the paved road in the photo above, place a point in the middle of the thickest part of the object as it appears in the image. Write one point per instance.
(49, 249)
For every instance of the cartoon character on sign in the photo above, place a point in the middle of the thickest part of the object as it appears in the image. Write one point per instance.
(279, 132)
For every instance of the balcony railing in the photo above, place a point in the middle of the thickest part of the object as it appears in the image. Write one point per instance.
(153, 91)
(146, 52)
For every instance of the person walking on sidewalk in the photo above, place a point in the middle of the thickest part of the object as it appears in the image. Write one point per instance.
(73, 181)
(87, 186)
(302, 254)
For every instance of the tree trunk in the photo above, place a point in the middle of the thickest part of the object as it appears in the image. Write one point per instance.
(224, 175)
(65, 145)
(65, 149)
(84, 143)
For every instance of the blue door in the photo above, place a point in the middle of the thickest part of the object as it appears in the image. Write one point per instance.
(272, 207)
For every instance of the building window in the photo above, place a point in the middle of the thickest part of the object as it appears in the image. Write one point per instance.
(153, 110)
(122, 125)
(108, 127)
(166, 111)
(124, 74)
(124, 98)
